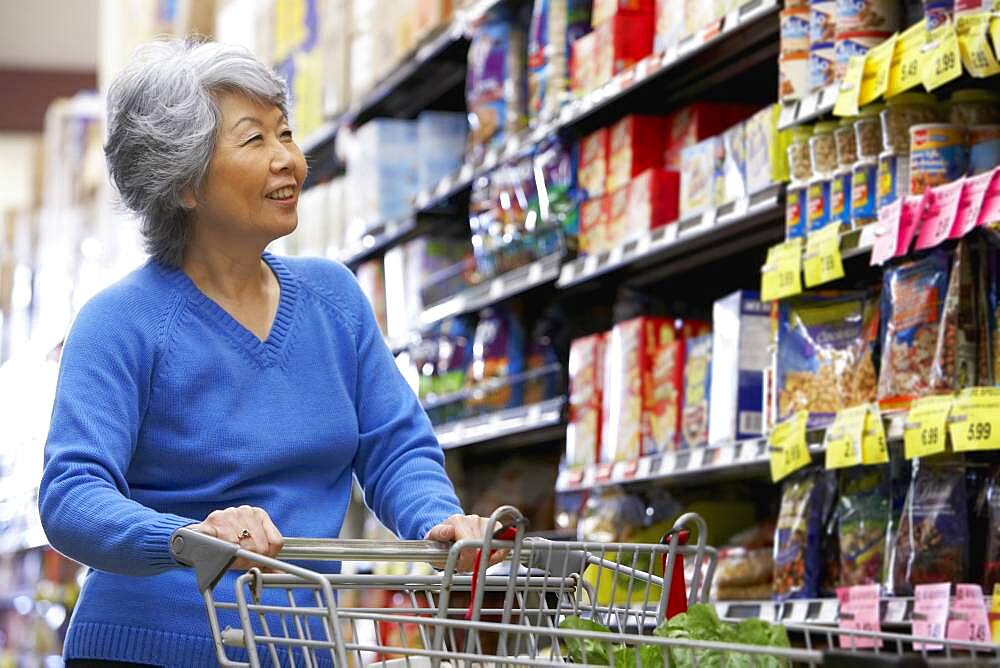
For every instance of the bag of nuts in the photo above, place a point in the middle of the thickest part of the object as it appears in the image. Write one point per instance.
(955, 363)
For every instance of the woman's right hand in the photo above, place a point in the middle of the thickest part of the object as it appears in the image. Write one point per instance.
(249, 527)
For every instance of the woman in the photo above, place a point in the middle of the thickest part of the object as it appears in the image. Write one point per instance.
(218, 386)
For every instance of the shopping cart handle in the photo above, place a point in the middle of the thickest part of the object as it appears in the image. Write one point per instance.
(343, 549)
(210, 557)
(848, 659)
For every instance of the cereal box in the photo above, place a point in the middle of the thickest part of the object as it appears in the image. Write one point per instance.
(697, 388)
(617, 216)
(762, 150)
(586, 369)
(734, 169)
(741, 332)
(633, 147)
(594, 225)
(622, 41)
(631, 346)
(583, 65)
(593, 170)
(653, 200)
(700, 169)
(669, 24)
(699, 14)
(606, 9)
(694, 123)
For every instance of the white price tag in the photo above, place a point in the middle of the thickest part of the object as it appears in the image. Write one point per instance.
(668, 464)
(769, 612)
(535, 273)
(740, 207)
(465, 174)
(590, 264)
(732, 20)
(829, 610)
(670, 57)
(589, 477)
(895, 611)
(496, 288)
(697, 459)
(798, 612)
(750, 451)
(789, 112)
(708, 217)
(622, 471)
(643, 469)
(726, 456)
(808, 106)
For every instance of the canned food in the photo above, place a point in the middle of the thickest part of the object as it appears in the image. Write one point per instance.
(823, 149)
(795, 29)
(818, 203)
(798, 153)
(892, 178)
(970, 6)
(867, 132)
(854, 44)
(795, 211)
(821, 66)
(847, 145)
(937, 155)
(863, 204)
(974, 107)
(822, 22)
(856, 15)
(938, 12)
(984, 148)
(793, 75)
(903, 112)
(840, 197)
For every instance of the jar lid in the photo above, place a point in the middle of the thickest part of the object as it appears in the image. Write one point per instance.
(974, 95)
(912, 98)
(801, 132)
(826, 127)
(847, 121)
(871, 110)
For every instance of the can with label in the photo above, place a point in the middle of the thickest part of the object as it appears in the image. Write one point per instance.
(794, 29)
(840, 197)
(938, 12)
(863, 193)
(818, 203)
(854, 44)
(892, 177)
(821, 66)
(795, 210)
(858, 15)
(984, 148)
(937, 155)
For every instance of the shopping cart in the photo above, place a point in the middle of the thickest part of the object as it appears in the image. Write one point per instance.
(514, 613)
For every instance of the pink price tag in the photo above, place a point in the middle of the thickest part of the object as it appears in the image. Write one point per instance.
(939, 215)
(969, 620)
(990, 211)
(930, 613)
(909, 220)
(859, 611)
(969, 204)
(886, 233)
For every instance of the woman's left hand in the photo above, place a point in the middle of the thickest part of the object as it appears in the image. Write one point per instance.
(462, 527)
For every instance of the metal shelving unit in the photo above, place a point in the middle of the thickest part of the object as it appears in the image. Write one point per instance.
(523, 425)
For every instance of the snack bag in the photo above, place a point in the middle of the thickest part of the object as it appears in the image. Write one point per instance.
(543, 358)
(558, 195)
(555, 25)
(991, 565)
(798, 536)
(498, 352)
(955, 354)
(863, 518)
(912, 300)
(825, 353)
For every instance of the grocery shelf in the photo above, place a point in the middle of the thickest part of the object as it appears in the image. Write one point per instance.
(524, 424)
(809, 108)
(379, 238)
(320, 138)
(746, 222)
(894, 611)
(496, 290)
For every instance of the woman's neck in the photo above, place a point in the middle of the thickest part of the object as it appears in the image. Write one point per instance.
(227, 274)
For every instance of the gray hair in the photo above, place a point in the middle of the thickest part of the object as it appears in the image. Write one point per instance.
(163, 121)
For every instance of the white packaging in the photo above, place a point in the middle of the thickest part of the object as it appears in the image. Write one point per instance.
(441, 139)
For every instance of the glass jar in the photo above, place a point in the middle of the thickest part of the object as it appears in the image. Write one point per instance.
(798, 153)
(868, 132)
(903, 112)
(974, 107)
(847, 145)
(823, 149)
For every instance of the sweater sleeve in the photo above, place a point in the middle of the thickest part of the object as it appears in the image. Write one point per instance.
(399, 463)
(101, 397)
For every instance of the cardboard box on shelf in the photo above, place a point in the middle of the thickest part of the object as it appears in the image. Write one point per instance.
(741, 326)
(583, 65)
(441, 141)
(622, 41)
(697, 387)
(763, 150)
(734, 169)
(669, 24)
(633, 147)
(607, 9)
(617, 217)
(696, 122)
(653, 201)
(594, 225)
(629, 362)
(701, 176)
(593, 166)
(586, 371)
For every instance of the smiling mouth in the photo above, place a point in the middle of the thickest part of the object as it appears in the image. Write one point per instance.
(282, 194)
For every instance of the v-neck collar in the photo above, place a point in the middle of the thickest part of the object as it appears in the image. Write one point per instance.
(269, 349)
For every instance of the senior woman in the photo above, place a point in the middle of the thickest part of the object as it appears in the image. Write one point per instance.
(218, 386)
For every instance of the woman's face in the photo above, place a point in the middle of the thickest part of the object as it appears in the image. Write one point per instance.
(252, 186)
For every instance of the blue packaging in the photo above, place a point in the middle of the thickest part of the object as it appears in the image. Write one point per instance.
(740, 335)
(864, 208)
(887, 177)
(795, 211)
(840, 197)
(441, 139)
(818, 203)
(697, 390)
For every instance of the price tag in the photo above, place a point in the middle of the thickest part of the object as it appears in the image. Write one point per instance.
(904, 71)
(789, 450)
(850, 89)
(939, 214)
(535, 273)
(822, 258)
(924, 431)
(995, 606)
(873, 448)
(726, 455)
(909, 221)
(697, 459)
(878, 62)
(930, 613)
(943, 61)
(990, 210)
(977, 56)
(496, 288)
(995, 36)
(886, 233)
(970, 203)
(969, 621)
(843, 438)
(859, 611)
(808, 106)
(895, 611)
(975, 419)
(750, 451)
(780, 276)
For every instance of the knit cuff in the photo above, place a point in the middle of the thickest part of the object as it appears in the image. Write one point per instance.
(435, 518)
(155, 542)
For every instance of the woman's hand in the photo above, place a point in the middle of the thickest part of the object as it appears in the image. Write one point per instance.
(250, 528)
(461, 527)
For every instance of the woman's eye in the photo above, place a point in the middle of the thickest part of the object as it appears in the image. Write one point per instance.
(252, 139)
(287, 134)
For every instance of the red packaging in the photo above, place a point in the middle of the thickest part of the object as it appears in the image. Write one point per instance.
(633, 147)
(594, 225)
(592, 172)
(605, 9)
(697, 122)
(662, 411)
(622, 41)
(583, 64)
(586, 371)
(617, 217)
(653, 201)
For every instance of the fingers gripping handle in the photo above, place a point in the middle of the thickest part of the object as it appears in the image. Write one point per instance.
(210, 557)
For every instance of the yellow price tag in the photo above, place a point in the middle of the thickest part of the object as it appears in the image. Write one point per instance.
(878, 62)
(781, 275)
(822, 258)
(943, 62)
(843, 438)
(850, 88)
(789, 450)
(977, 56)
(975, 419)
(924, 431)
(995, 31)
(995, 613)
(904, 71)
(873, 447)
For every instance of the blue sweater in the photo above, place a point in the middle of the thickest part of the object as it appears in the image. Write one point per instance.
(167, 409)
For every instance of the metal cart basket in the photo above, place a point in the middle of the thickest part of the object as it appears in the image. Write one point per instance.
(284, 614)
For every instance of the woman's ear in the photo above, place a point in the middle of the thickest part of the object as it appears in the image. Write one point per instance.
(188, 198)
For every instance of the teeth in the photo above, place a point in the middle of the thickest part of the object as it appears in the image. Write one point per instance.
(283, 193)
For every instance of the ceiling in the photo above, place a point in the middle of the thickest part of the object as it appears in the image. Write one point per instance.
(49, 35)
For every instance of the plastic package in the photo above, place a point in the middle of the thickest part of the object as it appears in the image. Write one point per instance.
(846, 142)
(867, 132)
(991, 567)
(559, 197)
(555, 26)
(498, 352)
(823, 149)
(956, 354)
(799, 163)
(974, 107)
(798, 557)
(903, 112)
(822, 65)
(496, 87)
(863, 519)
